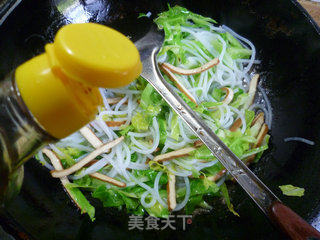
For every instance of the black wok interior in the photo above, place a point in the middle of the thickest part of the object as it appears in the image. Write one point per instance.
(288, 43)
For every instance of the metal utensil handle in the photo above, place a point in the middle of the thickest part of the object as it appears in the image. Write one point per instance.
(247, 179)
(291, 223)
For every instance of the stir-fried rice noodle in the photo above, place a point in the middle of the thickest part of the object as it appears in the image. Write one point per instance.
(145, 144)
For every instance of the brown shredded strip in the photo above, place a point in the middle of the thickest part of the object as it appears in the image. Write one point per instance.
(91, 137)
(114, 100)
(197, 143)
(107, 179)
(217, 176)
(178, 84)
(236, 125)
(58, 166)
(174, 154)
(96, 143)
(103, 149)
(257, 124)
(263, 132)
(115, 123)
(53, 158)
(252, 90)
(250, 159)
(91, 163)
(200, 69)
(171, 191)
(258, 119)
(229, 95)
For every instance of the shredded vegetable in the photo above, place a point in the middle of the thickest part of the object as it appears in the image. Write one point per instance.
(140, 155)
(293, 191)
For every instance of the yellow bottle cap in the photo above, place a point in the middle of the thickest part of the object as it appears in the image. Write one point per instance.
(59, 105)
(95, 55)
(60, 87)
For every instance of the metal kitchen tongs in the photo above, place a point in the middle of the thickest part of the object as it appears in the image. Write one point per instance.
(282, 216)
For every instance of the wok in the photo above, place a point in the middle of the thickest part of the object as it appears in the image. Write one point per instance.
(288, 43)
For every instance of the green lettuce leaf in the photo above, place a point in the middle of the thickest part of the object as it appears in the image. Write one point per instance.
(162, 130)
(150, 175)
(198, 189)
(141, 15)
(171, 21)
(240, 100)
(81, 201)
(116, 198)
(202, 153)
(139, 122)
(157, 210)
(213, 170)
(124, 131)
(175, 129)
(254, 151)
(225, 195)
(199, 186)
(217, 94)
(293, 191)
(232, 41)
(249, 116)
(239, 53)
(70, 154)
(146, 97)
(194, 202)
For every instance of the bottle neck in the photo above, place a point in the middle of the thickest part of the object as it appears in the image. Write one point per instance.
(20, 135)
